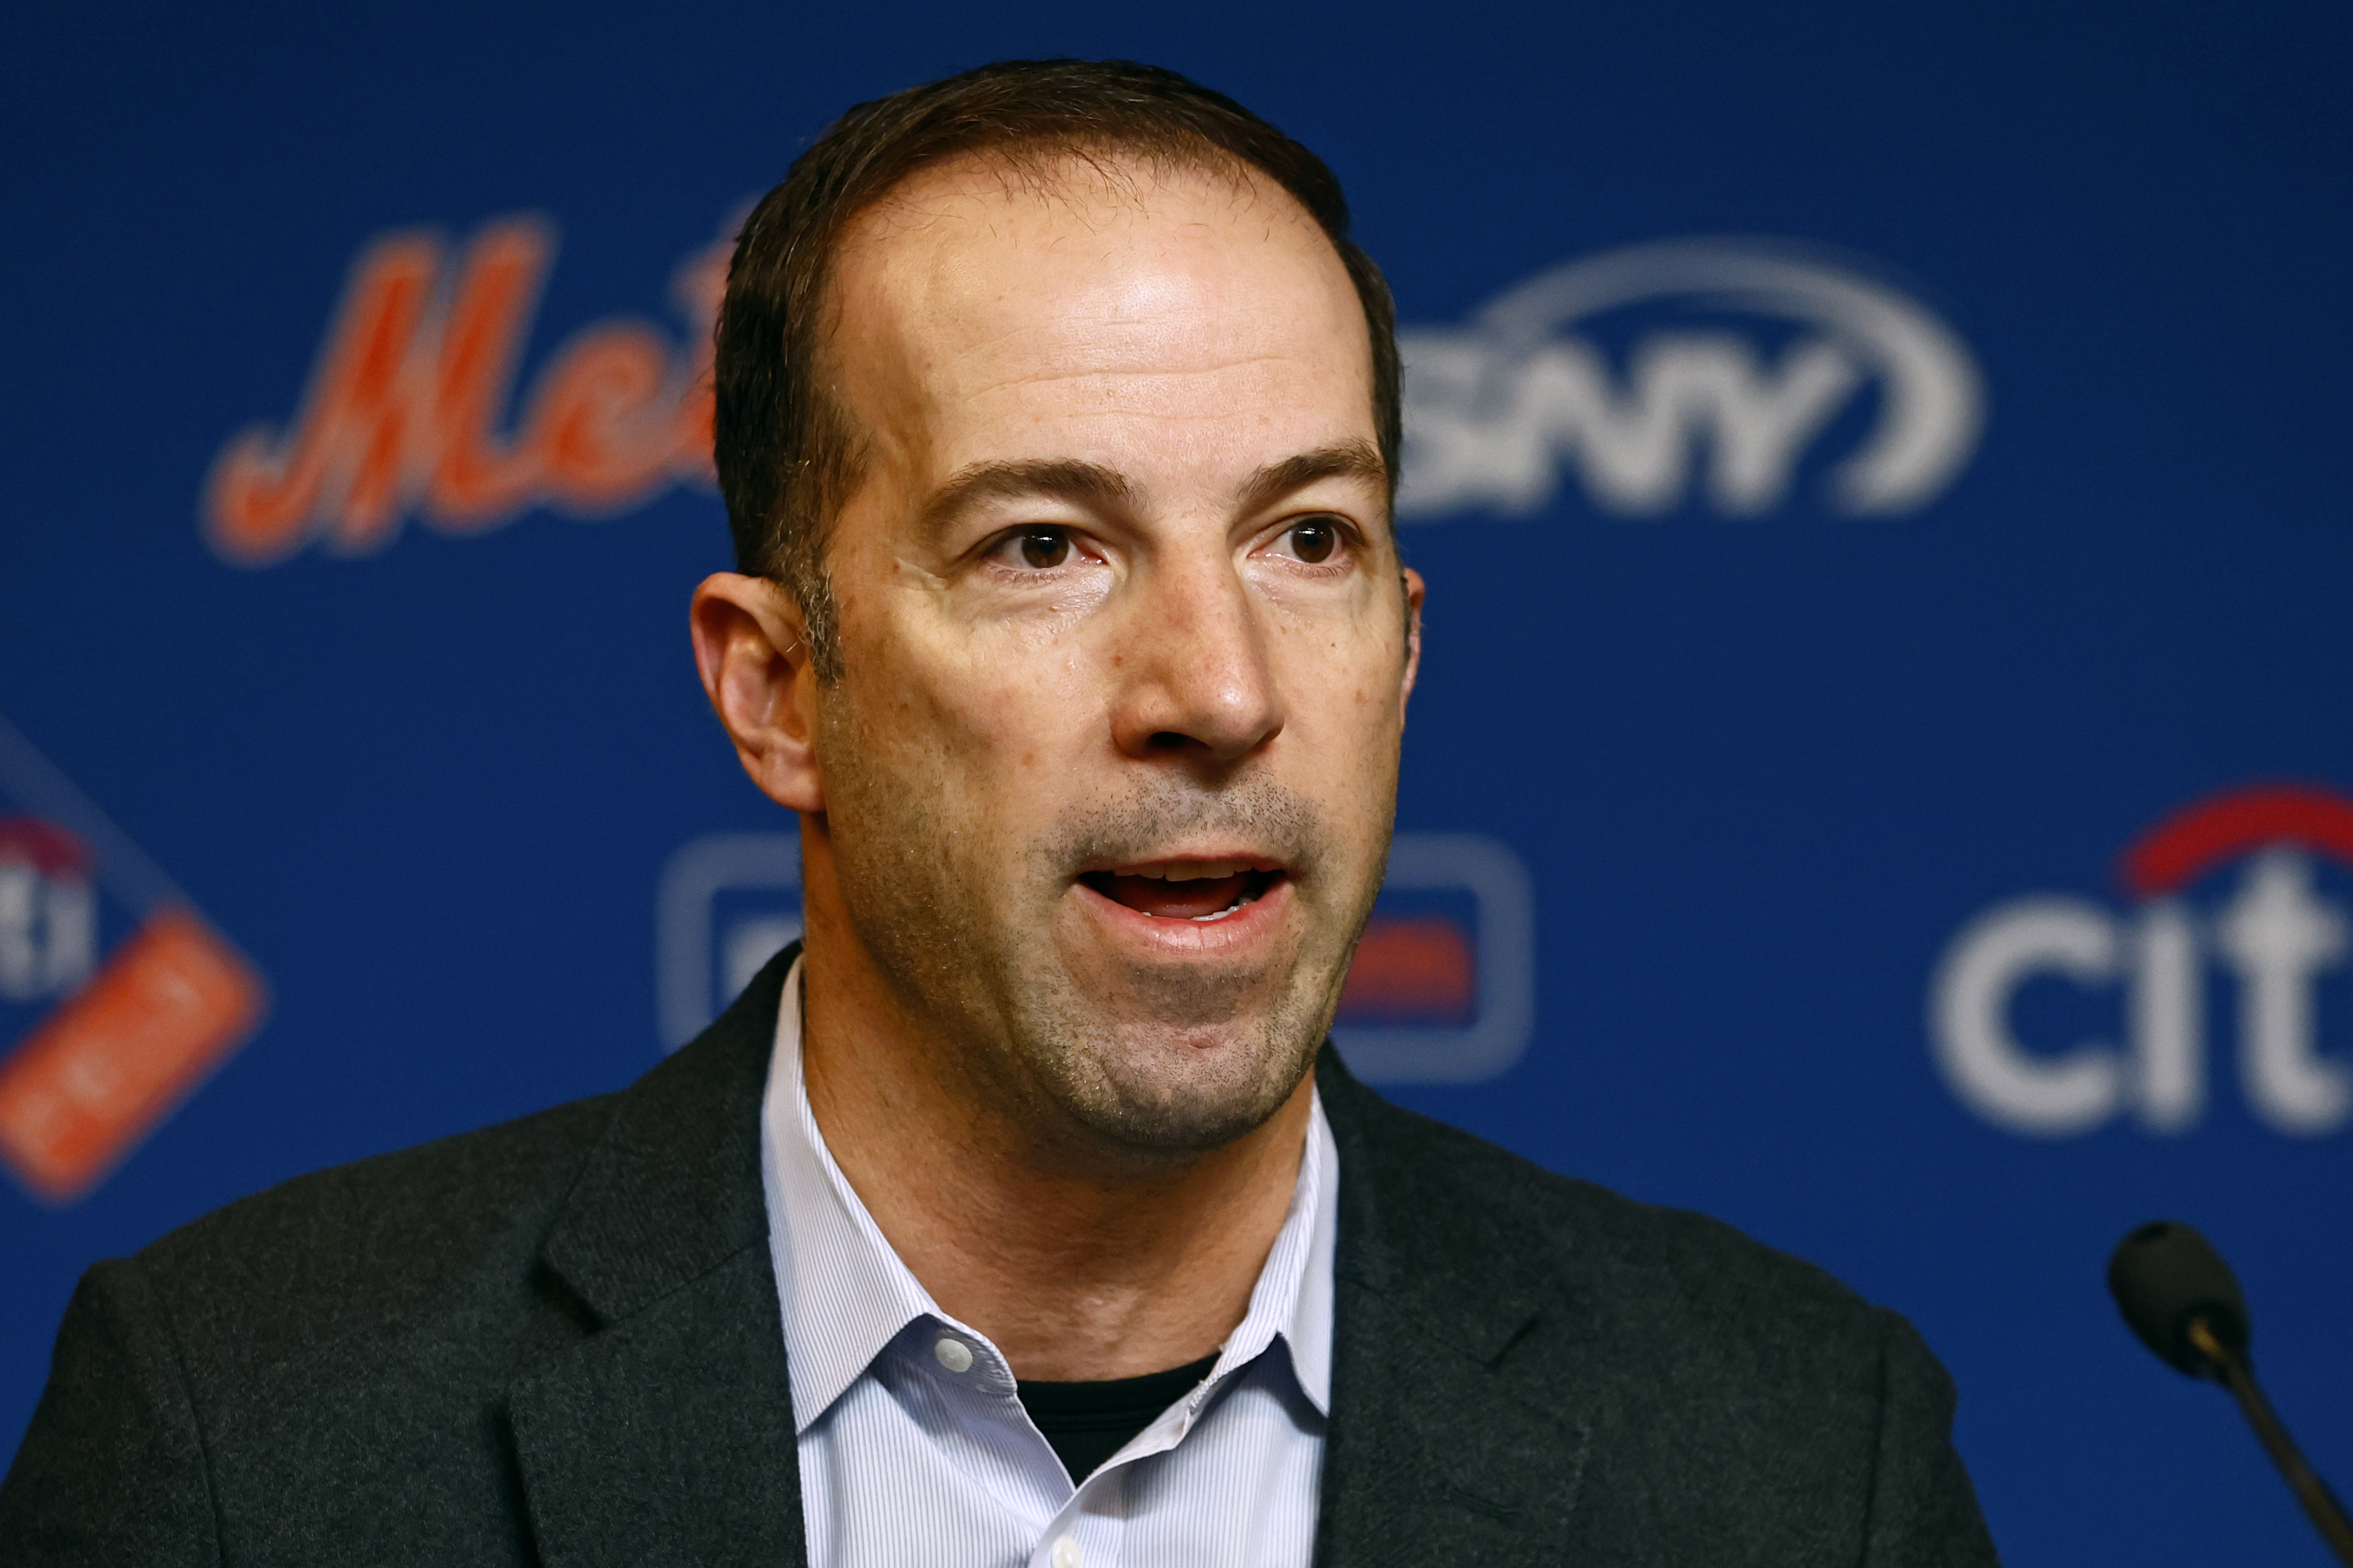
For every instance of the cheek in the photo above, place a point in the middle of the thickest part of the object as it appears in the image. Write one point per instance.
(1343, 727)
(1345, 674)
(983, 718)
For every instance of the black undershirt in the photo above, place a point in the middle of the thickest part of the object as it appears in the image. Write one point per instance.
(1087, 1422)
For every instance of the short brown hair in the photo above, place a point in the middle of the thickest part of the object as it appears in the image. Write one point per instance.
(786, 456)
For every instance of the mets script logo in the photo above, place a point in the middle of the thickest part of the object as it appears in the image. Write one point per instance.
(408, 413)
(1738, 358)
(2054, 1014)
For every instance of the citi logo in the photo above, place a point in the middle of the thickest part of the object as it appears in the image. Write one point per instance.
(406, 412)
(2271, 943)
(1756, 351)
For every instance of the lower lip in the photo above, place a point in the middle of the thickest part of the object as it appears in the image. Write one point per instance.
(1229, 936)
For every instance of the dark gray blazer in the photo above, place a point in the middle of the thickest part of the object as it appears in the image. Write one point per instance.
(557, 1342)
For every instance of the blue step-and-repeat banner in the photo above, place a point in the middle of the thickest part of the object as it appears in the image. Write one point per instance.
(1882, 771)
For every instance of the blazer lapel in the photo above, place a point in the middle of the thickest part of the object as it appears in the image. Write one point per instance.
(663, 1433)
(1440, 1451)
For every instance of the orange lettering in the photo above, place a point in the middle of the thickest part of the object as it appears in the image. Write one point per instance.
(407, 401)
(601, 424)
(477, 481)
(98, 1075)
(701, 282)
(268, 497)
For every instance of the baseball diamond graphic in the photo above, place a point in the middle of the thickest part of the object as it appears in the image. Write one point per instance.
(124, 1040)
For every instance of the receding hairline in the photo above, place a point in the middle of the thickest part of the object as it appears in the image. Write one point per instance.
(1045, 166)
(1043, 171)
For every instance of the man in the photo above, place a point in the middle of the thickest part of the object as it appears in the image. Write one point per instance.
(1020, 1215)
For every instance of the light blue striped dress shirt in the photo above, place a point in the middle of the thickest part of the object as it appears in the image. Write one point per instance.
(915, 1451)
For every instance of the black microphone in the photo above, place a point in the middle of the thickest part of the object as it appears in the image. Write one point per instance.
(2182, 1300)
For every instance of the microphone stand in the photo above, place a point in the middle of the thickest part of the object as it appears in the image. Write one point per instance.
(2327, 1513)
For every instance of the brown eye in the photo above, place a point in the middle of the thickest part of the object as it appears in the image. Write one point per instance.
(1045, 548)
(1314, 541)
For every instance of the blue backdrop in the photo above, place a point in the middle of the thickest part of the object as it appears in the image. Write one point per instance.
(1880, 774)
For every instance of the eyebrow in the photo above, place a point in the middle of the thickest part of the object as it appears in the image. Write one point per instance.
(1093, 485)
(1081, 484)
(1346, 460)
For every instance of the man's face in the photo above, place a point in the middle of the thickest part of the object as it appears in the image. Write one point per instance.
(1109, 771)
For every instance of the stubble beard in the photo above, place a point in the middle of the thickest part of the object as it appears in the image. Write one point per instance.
(1161, 1060)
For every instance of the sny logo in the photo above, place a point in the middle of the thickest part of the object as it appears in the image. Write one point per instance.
(2275, 934)
(1769, 347)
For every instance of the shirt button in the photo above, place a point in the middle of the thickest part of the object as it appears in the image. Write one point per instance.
(1066, 1553)
(956, 1356)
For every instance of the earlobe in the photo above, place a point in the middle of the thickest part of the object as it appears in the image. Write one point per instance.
(751, 652)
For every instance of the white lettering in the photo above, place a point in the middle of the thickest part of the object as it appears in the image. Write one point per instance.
(1968, 1017)
(49, 933)
(1466, 444)
(20, 958)
(2278, 937)
(1493, 411)
(1494, 433)
(72, 911)
(2165, 1019)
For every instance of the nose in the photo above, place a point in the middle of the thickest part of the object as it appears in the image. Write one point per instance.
(1199, 682)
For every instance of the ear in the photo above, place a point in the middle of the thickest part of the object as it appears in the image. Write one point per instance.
(1413, 592)
(751, 649)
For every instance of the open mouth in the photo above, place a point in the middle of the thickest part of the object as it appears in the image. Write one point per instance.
(1187, 890)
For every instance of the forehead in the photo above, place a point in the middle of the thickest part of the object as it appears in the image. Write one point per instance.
(1093, 289)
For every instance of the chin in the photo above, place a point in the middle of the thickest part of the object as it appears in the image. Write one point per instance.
(1180, 1088)
(1182, 1118)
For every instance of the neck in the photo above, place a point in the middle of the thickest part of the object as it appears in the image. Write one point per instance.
(1078, 1261)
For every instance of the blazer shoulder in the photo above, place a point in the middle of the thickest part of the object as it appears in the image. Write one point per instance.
(359, 1249)
(1454, 1204)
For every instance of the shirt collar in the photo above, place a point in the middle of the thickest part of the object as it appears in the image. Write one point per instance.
(844, 1292)
(845, 1295)
(1292, 1303)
